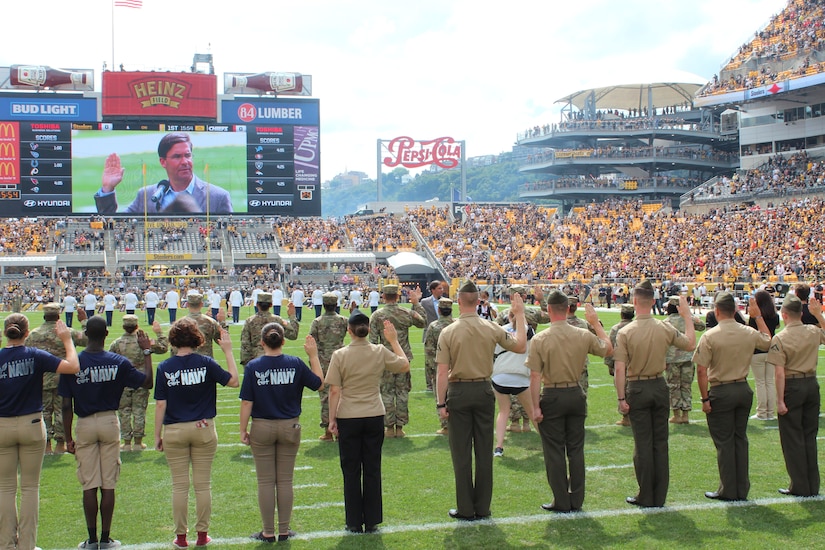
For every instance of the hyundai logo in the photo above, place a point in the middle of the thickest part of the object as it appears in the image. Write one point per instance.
(29, 203)
(252, 203)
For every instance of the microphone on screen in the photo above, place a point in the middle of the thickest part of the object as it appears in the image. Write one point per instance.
(163, 186)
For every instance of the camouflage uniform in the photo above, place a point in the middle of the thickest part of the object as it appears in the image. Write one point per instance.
(133, 402)
(572, 320)
(614, 333)
(16, 303)
(430, 347)
(251, 333)
(329, 330)
(44, 337)
(395, 388)
(680, 368)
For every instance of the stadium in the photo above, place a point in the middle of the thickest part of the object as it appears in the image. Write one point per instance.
(715, 186)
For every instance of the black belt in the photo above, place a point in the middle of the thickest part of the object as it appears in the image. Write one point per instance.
(470, 380)
(562, 385)
(637, 378)
(712, 384)
(800, 375)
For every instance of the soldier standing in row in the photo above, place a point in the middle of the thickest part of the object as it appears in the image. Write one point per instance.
(45, 338)
(329, 330)
(395, 388)
(209, 327)
(680, 369)
(445, 312)
(573, 321)
(133, 402)
(251, 333)
(627, 314)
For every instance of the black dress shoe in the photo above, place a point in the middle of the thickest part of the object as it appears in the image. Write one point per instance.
(713, 495)
(354, 529)
(371, 529)
(633, 500)
(455, 515)
(552, 508)
(785, 492)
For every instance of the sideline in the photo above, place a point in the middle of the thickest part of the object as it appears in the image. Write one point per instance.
(512, 520)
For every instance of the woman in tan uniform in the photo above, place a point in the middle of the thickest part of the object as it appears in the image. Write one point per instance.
(356, 416)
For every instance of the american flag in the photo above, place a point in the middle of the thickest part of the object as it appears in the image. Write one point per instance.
(129, 3)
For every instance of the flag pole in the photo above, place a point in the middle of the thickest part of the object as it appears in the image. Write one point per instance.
(113, 34)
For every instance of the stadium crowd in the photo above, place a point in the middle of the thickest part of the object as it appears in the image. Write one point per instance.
(789, 40)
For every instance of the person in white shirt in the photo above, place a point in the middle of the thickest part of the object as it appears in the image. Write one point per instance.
(340, 296)
(109, 303)
(69, 307)
(277, 300)
(317, 300)
(151, 300)
(172, 303)
(130, 302)
(356, 296)
(89, 303)
(257, 290)
(298, 301)
(214, 302)
(235, 302)
(374, 299)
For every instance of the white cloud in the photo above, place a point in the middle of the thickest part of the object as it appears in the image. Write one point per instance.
(478, 70)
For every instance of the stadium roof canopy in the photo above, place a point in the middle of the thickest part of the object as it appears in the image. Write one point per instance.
(635, 96)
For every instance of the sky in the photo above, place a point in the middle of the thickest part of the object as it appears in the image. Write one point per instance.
(474, 70)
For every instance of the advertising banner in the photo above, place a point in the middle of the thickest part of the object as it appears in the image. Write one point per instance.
(156, 94)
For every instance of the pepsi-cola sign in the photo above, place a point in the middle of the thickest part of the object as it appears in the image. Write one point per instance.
(444, 152)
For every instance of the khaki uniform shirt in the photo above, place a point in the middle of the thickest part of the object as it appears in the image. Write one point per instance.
(467, 346)
(726, 350)
(357, 369)
(642, 345)
(559, 352)
(796, 348)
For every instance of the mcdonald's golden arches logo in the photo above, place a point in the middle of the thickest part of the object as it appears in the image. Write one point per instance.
(8, 130)
(8, 151)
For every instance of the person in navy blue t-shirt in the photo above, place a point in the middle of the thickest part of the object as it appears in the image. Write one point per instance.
(271, 394)
(185, 409)
(22, 431)
(95, 392)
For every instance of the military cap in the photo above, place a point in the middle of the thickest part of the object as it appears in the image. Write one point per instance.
(194, 299)
(557, 297)
(331, 299)
(724, 298)
(388, 289)
(264, 297)
(130, 321)
(673, 301)
(518, 289)
(51, 307)
(445, 303)
(469, 286)
(358, 318)
(792, 303)
(628, 309)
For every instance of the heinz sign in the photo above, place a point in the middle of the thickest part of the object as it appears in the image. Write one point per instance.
(166, 94)
(444, 152)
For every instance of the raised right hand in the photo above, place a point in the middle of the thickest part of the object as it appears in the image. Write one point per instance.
(63, 332)
(112, 173)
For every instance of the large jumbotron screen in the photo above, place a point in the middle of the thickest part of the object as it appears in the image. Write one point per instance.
(56, 168)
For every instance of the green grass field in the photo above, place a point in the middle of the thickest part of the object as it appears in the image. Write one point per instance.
(418, 487)
(226, 168)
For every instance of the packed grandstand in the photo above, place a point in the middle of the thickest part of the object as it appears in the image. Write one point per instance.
(693, 184)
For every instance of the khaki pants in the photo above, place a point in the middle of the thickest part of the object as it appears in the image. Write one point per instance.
(22, 444)
(97, 441)
(185, 444)
(274, 445)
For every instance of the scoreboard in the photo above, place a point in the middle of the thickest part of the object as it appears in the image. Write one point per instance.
(266, 156)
